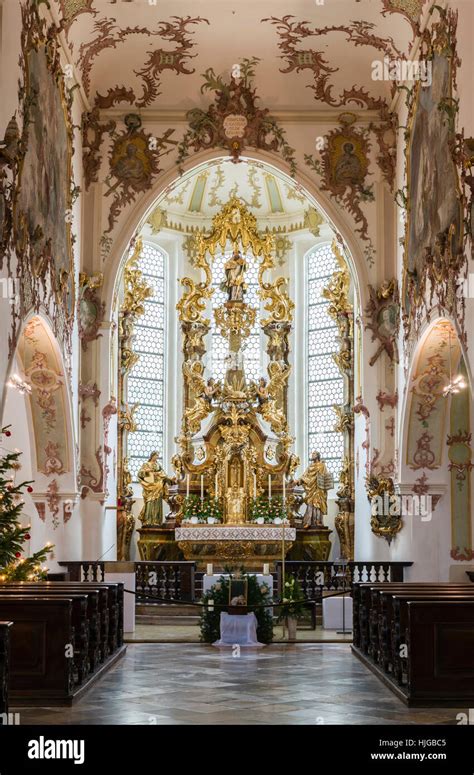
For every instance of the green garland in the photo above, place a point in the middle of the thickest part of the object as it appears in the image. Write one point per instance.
(219, 596)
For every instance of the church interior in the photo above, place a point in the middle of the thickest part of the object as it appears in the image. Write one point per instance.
(236, 381)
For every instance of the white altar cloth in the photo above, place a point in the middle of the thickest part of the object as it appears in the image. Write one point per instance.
(234, 533)
(209, 581)
(332, 612)
(238, 629)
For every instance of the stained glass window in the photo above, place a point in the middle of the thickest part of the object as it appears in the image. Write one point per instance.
(324, 384)
(146, 381)
(219, 346)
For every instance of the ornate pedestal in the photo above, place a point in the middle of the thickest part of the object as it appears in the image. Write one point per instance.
(311, 544)
(251, 545)
(158, 543)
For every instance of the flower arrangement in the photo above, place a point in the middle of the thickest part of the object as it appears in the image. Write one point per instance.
(195, 509)
(217, 600)
(268, 509)
(293, 599)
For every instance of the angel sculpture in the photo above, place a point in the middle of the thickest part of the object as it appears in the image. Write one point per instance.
(195, 414)
(267, 396)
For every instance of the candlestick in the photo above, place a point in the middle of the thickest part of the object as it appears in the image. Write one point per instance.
(255, 486)
(216, 487)
(284, 488)
(202, 487)
(269, 486)
(187, 485)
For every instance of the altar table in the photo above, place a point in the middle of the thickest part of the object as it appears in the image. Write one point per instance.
(332, 612)
(239, 629)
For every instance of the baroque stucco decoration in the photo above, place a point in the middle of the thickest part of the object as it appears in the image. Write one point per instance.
(434, 232)
(233, 121)
(383, 313)
(44, 190)
(344, 167)
(91, 309)
(42, 371)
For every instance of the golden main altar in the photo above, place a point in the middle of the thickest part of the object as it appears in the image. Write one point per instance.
(233, 495)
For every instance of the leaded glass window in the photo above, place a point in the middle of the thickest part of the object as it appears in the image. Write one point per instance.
(324, 384)
(146, 381)
(219, 346)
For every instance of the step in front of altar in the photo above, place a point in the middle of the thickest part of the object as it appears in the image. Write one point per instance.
(169, 614)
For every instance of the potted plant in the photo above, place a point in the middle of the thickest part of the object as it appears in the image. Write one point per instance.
(292, 605)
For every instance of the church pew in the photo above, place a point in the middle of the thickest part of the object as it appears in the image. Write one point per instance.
(441, 653)
(39, 667)
(110, 608)
(5, 630)
(363, 624)
(80, 621)
(381, 612)
(399, 624)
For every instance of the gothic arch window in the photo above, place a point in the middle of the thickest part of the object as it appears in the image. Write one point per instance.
(147, 379)
(324, 383)
(252, 352)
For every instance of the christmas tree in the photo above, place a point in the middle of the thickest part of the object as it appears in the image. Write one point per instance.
(13, 565)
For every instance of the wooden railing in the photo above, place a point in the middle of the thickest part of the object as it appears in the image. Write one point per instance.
(4, 667)
(165, 581)
(335, 576)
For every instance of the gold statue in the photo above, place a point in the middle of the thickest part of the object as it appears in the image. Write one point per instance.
(154, 482)
(316, 480)
(235, 505)
(234, 283)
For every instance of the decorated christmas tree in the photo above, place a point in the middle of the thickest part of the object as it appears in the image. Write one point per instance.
(13, 565)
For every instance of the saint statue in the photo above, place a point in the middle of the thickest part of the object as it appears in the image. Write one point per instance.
(154, 482)
(234, 283)
(235, 505)
(316, 480)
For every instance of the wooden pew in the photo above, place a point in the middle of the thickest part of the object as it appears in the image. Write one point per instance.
(39, 668)
(5, 629)
(80, 622)
(399, 623)
(441, 647)
(383, 612)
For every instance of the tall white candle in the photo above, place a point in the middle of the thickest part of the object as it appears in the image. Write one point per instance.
(284, 488)
(269, 486)
(210, 569)
(202, 487)
(255, 486)
(266, 569)
(187, 485)
(216, 488)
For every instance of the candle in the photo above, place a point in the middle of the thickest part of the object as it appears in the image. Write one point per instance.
(266, 569)
(284, 488)
(216, 488)
(269, 486)
(210, 569)
(255, 485)
(202, 487)
(187, 485)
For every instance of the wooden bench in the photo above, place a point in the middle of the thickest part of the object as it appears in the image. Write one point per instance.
(5, 628)
(387, 638)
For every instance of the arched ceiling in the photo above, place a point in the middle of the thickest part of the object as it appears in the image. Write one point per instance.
(278, 203)
(159, 52)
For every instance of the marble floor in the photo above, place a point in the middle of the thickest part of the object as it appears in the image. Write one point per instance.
(189, 684)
